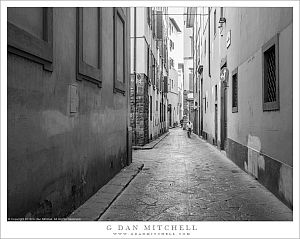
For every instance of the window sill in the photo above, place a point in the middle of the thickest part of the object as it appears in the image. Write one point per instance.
(234, 109)
(271, 106)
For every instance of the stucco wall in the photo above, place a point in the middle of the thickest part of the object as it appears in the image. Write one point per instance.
(260, 142)
(55, 156)
(256, 26)
(272, 131)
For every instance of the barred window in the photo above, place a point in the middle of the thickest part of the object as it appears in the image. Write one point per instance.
(270, 75)
(235, 91)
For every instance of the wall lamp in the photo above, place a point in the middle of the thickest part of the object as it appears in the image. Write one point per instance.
(222, 20)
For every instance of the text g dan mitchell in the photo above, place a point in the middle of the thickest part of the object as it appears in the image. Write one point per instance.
(166, 227)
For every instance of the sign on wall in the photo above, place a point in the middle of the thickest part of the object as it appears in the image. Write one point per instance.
(224, 74)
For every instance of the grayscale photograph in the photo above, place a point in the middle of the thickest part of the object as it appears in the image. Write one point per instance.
(151, 113)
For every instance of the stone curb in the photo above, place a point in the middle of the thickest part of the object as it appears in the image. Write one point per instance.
(96, 205)
(152, 144)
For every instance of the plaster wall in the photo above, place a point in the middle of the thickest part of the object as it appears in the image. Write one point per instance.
(55, 156)
(260, 142)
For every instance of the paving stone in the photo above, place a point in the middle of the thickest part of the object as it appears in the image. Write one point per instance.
(95, 206)
(189, 180)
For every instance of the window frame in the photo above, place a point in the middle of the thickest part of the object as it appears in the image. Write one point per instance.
(221, 12)
(205, 105)
(148, 61)
(235, 108)
(84, 71)
(119, 87)
(216, 93)
(148, 16)
(215, 22)
(22, 43)
(275, 105)
(150, 107)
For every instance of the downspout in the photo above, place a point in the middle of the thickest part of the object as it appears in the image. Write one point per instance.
(209, 42)
(196, 75)
(134, 71)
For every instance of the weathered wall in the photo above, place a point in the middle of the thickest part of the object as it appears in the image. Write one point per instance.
(260, 142)
(187, 56)
(140, 109)
(267, 135)
(271, 129)
(147, 129)
(56, 160)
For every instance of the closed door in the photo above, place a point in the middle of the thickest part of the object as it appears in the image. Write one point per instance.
(216, 124)
(223, 115)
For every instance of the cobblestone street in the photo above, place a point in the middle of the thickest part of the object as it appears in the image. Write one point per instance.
(187, 179)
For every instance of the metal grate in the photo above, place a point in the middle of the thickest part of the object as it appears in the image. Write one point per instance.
(270, 75)
(234, 91)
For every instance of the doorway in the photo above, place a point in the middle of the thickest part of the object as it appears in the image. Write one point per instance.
(216, 124)
(201, 107)
(170, 115)
(224, 85)
(223, 114)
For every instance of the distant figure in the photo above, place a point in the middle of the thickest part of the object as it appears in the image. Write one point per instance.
(189, 126)
(181, 123)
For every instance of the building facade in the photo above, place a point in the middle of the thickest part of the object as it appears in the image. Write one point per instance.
(188, 51)
(180, 90)
(68, 106)
(174, 82)
(149, 73)
(243, 84)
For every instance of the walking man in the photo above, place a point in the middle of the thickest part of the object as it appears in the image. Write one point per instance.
(189, 126)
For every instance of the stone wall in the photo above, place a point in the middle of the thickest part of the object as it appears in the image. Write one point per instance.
(139, 109)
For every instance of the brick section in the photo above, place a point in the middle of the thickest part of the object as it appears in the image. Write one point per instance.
(139, 109)
(185, 108)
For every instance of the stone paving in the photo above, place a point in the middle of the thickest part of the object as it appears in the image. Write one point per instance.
(187, 179)
(96, 205)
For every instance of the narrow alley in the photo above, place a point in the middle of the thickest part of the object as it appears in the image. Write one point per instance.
(100, 98)
(187, 179)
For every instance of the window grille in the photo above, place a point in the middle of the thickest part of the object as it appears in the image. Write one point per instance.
(270, 75)
(234, 91)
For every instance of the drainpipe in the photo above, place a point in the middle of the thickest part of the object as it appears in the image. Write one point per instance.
(209, 42)
(134, 71)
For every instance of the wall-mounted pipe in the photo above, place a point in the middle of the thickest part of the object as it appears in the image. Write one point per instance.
(134, 72)
(209, 73)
